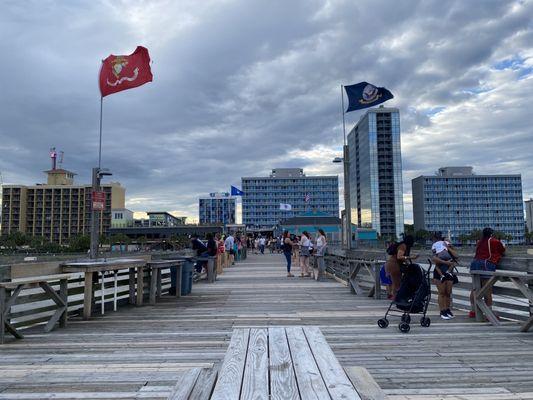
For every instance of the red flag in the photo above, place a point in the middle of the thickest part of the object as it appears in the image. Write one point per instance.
(125, 72)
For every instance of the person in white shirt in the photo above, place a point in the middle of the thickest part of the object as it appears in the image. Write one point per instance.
(321, 245)
(305, 245)
(228, 244)
(262, 242)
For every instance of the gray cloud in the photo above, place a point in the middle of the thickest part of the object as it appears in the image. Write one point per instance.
(241, 87)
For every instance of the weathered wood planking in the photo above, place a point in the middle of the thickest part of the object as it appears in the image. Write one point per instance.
(255, 381)
(337, 383)
(185, 384)
(307, 373)
(230, 378)
(282, 380)
(139, 352)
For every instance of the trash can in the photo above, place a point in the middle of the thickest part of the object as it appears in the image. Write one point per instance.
(186, 277)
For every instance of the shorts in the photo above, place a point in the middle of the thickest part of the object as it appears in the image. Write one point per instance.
(483, 265)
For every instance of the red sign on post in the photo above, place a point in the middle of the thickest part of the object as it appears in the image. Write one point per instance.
(98, 201)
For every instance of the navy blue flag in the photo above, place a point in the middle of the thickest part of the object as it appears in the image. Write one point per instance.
(364, 95)
(236, 192)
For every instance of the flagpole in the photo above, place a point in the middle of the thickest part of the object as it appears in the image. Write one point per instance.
(100, 144)
(343, 119)
(346, 163)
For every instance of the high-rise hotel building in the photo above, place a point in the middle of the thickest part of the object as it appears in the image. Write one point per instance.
(263, 195)
(456, 202)
(217, 208)
(58, 209)
(375, 172)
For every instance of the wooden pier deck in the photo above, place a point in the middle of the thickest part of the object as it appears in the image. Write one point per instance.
(139, 352)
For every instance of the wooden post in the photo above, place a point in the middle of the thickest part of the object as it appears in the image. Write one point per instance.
(476, 284)
(88, 296)
(63, 293)
(211, 271)
(132, 285)
(140, 286)
(159, 290)
(153, 285)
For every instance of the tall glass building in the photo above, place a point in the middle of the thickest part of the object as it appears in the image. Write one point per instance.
(457, 201)
(263, 196)
(217, 208)
(375, 177)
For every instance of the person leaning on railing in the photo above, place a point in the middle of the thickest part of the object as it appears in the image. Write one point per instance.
(489, 252)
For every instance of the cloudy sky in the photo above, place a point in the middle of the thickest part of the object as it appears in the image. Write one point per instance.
(244, 86)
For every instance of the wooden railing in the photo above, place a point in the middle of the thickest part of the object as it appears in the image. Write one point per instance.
(509, 302)
(33, 306)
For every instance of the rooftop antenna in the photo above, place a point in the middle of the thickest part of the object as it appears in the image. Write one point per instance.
(60, 161)
(53, 156)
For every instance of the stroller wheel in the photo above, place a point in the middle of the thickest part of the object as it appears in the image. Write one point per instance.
(425, 322)
(406, 318)
(404, 327)
(383, 322)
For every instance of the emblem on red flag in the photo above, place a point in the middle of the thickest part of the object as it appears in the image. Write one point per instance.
(125, 72)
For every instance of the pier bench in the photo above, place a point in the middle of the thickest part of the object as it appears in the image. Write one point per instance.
(522, 281)
(154, 268)
(102, 266)
(287, 363)
(9, 292)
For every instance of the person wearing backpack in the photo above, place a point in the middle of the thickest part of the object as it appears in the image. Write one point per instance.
(399, 257)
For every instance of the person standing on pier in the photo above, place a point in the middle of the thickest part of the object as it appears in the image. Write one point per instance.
(287, 251)
(489, 252)
(305, 245)
(321, 246)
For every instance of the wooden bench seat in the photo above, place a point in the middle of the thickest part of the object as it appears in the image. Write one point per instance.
(9, 292)
(289, 363)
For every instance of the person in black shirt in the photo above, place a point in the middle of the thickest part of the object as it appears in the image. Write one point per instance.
(201, 251)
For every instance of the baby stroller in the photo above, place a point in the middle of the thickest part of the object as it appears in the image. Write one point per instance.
(412, 298)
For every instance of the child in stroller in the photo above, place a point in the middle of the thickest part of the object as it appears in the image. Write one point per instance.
(412, 298)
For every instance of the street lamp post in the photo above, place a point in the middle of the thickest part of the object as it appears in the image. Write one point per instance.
(97, 175)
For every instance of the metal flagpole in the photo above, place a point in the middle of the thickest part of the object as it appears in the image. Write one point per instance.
(346, 162)
(95, 220)
(100, 144)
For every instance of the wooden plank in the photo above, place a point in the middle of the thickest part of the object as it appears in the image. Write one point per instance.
(255, 381)
(366, 386)
(282, 380)
(231, 373)
(308, 377)
(338, 384)
(184, 385)
(204, 384)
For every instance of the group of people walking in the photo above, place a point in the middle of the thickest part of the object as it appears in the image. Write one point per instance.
(301, 248)
(489, 251)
